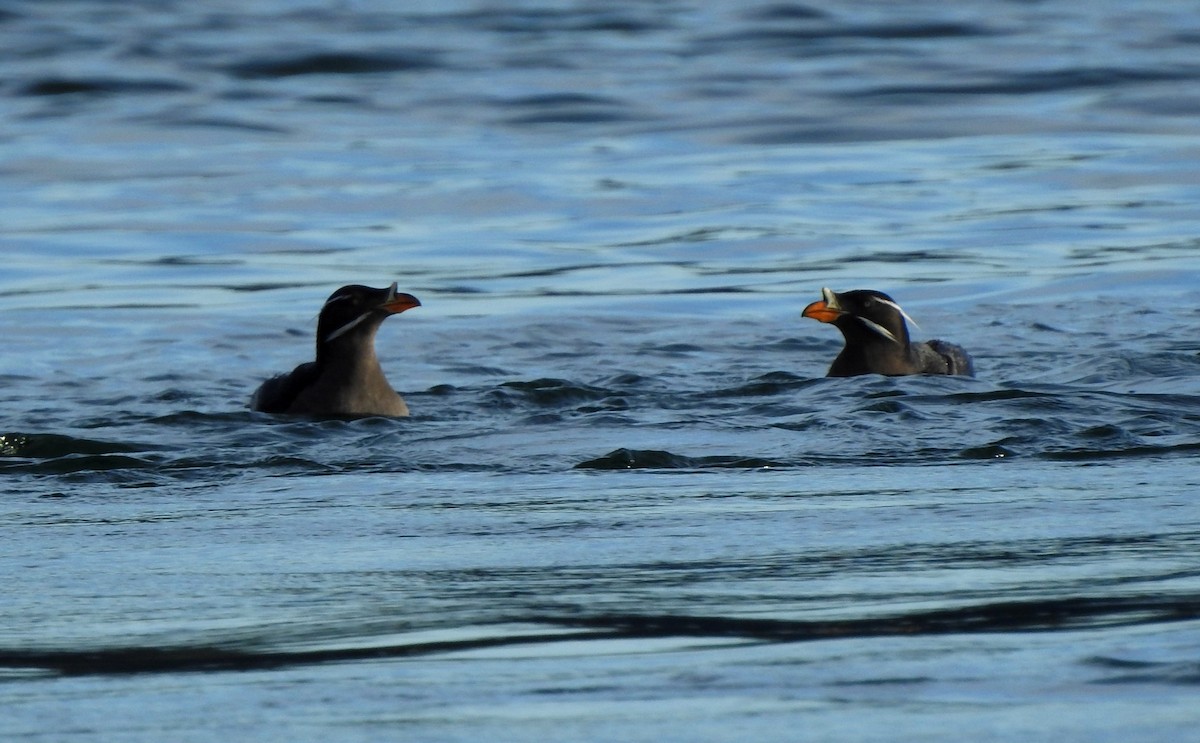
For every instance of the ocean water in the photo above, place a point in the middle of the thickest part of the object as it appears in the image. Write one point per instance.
(628, 504)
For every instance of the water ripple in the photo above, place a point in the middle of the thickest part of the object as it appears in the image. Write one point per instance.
(1057, 615)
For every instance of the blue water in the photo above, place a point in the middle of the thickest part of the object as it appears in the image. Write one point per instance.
(628, 504)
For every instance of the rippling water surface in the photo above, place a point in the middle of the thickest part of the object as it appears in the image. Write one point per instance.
(628, 504)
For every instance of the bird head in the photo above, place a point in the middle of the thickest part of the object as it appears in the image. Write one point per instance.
(861, 310)
(359, 309)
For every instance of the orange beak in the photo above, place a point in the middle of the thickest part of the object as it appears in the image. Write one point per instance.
(825, 309)
(818, 310)
(400, 303)
(397, 302)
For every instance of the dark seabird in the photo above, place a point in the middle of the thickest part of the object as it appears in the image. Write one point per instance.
(346, 379)
(877, 338)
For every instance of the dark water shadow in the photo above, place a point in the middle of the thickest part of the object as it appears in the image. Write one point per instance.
(1055, 615)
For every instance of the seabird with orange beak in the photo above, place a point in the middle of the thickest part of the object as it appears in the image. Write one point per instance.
(346, 378)
(877, 341)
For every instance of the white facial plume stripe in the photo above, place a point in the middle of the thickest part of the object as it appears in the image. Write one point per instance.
(347, 327)
(899, 309)
(878, 328)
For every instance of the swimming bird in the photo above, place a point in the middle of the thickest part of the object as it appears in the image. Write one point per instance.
(346, 378)
(873, 325)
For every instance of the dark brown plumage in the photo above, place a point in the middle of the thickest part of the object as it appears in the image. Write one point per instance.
(346, 378)
(877, 341)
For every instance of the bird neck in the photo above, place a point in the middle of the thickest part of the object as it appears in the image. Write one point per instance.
(874, 354)
(352, 355)
(858, 334)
